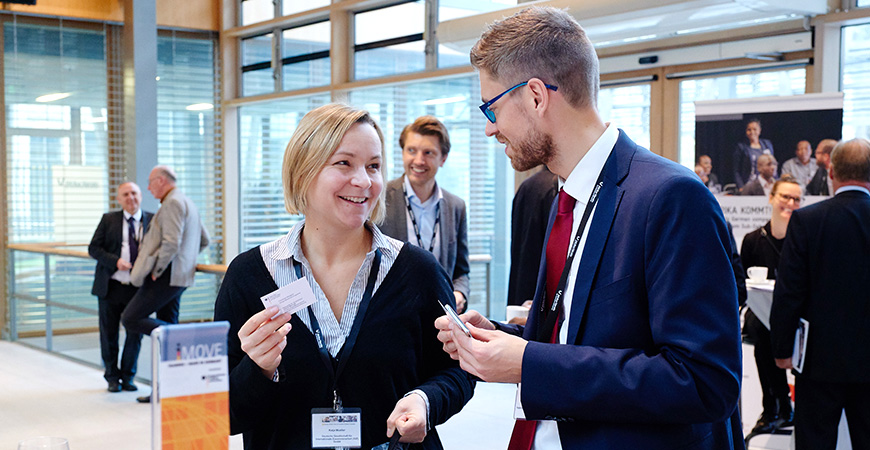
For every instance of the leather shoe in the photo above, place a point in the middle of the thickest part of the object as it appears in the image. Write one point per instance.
(128, 386)
(144, 399)
(767, 423)
(786, 417)
(114, 386)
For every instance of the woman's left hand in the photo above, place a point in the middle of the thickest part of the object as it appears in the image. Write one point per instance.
(409, 417)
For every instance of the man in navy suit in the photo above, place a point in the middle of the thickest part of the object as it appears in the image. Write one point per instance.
(114, 246)
(824, 278)
(644, 325)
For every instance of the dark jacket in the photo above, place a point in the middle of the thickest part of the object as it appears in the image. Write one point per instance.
(105, 247)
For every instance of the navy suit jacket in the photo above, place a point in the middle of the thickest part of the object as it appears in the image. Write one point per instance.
(654, 355)
(105, 247)
(824, 278)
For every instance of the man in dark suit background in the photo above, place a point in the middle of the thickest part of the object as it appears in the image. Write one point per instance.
(820, 184)
(529, 218)
(115, 246)
(635, 342)
(824, 278)
(421, 212)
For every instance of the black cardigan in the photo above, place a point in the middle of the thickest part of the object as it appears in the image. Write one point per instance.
(396, 351)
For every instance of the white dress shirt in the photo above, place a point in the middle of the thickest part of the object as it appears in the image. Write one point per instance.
(425, 214)
(123, 276)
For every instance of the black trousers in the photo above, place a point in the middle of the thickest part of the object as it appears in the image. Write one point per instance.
(818, 407)
(110, 308)
(774, 384)
(154, 296)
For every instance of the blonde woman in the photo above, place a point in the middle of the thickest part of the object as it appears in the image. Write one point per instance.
(367, 345)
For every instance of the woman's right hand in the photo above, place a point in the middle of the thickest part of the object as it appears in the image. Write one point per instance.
(264, 337)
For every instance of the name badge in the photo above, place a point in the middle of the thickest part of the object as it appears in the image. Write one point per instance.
(330, 429)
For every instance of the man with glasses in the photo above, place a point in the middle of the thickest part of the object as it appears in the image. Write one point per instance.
(421, 212)
(633, 338)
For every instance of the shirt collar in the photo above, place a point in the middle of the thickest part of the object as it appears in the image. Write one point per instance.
(412, 196)
(852, 188)
(582, 179)
(290, 245)
(137, 216)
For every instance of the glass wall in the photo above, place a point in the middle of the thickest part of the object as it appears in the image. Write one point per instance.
(187, 141)
(388, 50)
(57, 158)
(855, 81)
(760, 84)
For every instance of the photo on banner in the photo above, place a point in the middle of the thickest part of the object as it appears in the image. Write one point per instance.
(720, 126)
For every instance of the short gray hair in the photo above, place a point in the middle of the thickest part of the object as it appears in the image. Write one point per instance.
(544, 43)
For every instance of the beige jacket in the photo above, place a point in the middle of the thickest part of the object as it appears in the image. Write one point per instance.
(176, 235)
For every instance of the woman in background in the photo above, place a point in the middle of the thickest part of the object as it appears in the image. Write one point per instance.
(747, 152)
(762, 248)
(368, 341)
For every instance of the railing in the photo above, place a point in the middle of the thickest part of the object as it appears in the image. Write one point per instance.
(50, 296)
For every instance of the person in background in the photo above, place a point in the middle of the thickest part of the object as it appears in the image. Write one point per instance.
(824, 278)
(762, 248)
(166, 264)
(643, 349)
(115, 245)
(803, 166)
(421, 212)
(366, 341)
(763, 183)
(529, 217)
(709, 178)
(747, 151)
(821, 184)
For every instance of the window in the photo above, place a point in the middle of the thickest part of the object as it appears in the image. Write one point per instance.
(257, 73)
(628, 108)
(760, 84)
(855, 82)
(294, 6)
(264, 131)
(305, 56)
(387, 50)
(476, 169)
(254, 11)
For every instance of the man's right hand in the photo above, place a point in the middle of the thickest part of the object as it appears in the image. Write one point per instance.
(264, 338)
(446, 336)
(123, 264)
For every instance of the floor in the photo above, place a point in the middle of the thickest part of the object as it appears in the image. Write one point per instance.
(47, 394)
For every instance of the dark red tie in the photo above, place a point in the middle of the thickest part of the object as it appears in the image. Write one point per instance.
(557, 252)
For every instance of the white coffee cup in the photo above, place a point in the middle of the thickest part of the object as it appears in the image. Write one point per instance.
(757, 273)
(515, 311)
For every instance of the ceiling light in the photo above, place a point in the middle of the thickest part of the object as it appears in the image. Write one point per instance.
(200, 107)
(52, 97)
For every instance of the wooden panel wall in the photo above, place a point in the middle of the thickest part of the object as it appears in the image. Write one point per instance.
(188, 14)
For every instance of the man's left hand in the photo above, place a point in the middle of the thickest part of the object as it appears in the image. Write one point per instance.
(409, 418)
(784, 363)
(492, 356)
(460, 302)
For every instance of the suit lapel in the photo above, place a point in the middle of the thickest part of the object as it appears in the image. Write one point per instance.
(396, 202)
(616, 169)
(445, 225)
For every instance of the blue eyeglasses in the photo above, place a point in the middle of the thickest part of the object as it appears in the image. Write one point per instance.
(484, 108)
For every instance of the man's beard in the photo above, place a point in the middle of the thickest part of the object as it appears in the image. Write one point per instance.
(536, 149)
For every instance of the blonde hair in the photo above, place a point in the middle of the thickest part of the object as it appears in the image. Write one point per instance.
(316, 138)
(544, 43)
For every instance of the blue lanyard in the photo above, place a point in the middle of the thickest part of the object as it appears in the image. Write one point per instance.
(335, 367)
